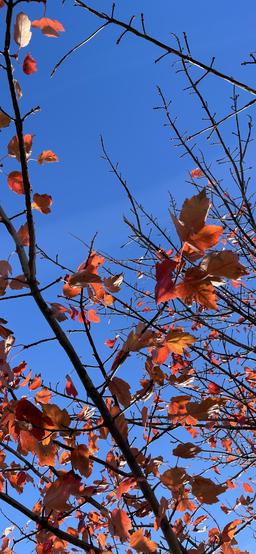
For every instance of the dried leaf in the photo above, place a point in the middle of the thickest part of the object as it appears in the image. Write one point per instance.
(223, 264)
(121, 390)
(205, 490)
(22, 32)
(5, 120)
(176, 340)
(42, 203)
(186, 450)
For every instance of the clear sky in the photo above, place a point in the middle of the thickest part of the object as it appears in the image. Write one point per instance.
(111, 90)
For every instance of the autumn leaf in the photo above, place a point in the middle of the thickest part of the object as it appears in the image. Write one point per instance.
(164, 281)
(205, 490)
(59, 311)
(59, 419)
(120, 524)
(141, 543)
(113, 283)
(5, 120)
(92, 316)
(23, 234)
(22, 32)
(83, 278)
(70, 387)
(44, 396)
(42, 203)
(206, 238)
(58, 492)
(223, 264)
(80, 459)
(192, 216)
(196, 287)
(15, 182)
(49, 27)
(13, 146)
(196, 173)
(174, 478)
(29, 65)
(121, 390)
(229, 530)
(186, 450)
(47, 156)
(176, 340)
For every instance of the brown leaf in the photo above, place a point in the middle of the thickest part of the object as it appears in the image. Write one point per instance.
(23, 234)
(42, 203)
(5, 120)
(174, 477)
(205, 490)
(113, 283)
(223, 264)
(80, 459)
(192, 216)
(29, 65)
(186, 450)
(121, 389)
(196, 287)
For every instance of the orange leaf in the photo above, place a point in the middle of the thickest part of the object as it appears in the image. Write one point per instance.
(196, 173)
(206, 237)
(49, 27)
(92, 316)
(43, 396)
(13, 146)
(176, 340)
(42, 203)
(174, 478)
(120, 524)
(37, 381)
(141, 543)
(29, 65)
(247, 487)
(47, 156)
(196, 287)
(15, 182)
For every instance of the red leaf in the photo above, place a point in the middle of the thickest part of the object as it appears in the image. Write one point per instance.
(23, 234)
(29, 65)
(70, 387)
(15, 182)
(164, 282)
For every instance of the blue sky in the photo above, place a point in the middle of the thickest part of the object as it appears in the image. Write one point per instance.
(111, 90)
